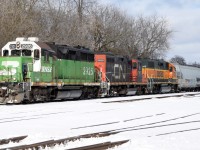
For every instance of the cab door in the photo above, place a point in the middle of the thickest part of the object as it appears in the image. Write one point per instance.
(136, 73)
(100, 65)
(37, 61)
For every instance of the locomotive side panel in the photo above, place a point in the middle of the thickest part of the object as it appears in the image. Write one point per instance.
(118, 69)
(112, 67)
(74, 65)
(155, 70)
(160, 76)
(69, 71)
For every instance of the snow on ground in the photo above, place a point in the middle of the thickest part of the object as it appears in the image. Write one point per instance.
(156, 123)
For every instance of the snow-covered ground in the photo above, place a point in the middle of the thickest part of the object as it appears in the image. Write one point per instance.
(156, 123)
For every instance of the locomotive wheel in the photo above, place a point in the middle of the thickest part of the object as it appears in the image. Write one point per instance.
(84, 94)
(41, 94)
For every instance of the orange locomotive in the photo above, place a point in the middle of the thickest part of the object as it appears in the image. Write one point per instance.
(159, 75)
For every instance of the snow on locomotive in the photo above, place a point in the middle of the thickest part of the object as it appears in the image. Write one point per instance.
(32, 71)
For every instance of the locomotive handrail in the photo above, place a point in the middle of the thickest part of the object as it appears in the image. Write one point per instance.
(98, 74)
(107, 79)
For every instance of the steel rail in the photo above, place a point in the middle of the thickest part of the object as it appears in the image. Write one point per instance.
(13, 139)
(148, 98)
(100, 146)
(50, 143)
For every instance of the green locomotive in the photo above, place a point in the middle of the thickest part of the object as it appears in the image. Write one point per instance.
(31, 71)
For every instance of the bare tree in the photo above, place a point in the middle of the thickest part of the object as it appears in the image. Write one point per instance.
(195, 64)
(17, 19)
(178, 59)
(152, 36)
(85, 22)
(107, 28)
(83, 7)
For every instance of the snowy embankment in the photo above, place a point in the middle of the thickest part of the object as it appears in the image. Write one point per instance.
(164, 124)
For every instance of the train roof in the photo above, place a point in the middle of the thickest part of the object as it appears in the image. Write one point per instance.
(191, 66)
(105, 53)
(45, 46)
(157, 63)
(64, 49)
(111, 55)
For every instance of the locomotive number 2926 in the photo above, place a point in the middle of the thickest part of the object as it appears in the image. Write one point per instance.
(88, 71)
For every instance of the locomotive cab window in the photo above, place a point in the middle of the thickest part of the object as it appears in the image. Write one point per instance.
(36, 54)
(15, 53)
(151, 64)
(84, 56)
(5, 53)
(110, 60)
(160, 64)
(26, 52)
(46, 56)
(90, 57)
(71, 55)
(170, 69)
(134, 65)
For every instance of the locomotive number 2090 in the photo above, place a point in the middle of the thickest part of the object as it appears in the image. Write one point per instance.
(88, 71)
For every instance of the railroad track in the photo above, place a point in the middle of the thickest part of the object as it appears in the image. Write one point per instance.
(138, 126)
(114, 122)
(137, 99)
(39, 116)
(13, 140)
(153, 125)
(98, 146)
(51, 143)
(101, 146)
(149, 98)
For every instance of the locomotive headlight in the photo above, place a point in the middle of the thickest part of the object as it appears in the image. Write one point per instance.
(14, 79)
(17, 44)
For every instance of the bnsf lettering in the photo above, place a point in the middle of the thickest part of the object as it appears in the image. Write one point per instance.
(160, 74)
(46, 69)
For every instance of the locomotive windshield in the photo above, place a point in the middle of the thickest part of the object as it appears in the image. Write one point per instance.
(5, 53)
(15, 53)
(23, 52)
(134, 65)
(26, 52)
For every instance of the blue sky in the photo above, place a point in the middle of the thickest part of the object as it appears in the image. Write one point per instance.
(183, 17)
